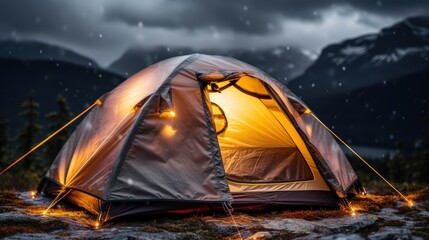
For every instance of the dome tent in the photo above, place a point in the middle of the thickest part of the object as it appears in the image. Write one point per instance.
(194, 132)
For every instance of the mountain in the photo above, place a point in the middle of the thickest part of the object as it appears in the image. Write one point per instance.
(81, 85)
(380, 115)
(373, 89)
(281, 62)
(32, 50)
(371, 59)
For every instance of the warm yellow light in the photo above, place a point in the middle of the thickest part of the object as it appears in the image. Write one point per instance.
(33, 194)
(168, 131)
(44, 212)
(172, 113)
(97, 224)
(410, 203)
(353, 211)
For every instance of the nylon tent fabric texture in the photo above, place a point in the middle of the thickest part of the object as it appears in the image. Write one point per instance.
(194, 132)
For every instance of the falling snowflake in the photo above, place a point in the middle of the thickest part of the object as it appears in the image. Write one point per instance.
(168, 49)
(245, 8)
(343, 68)
(130, 181)
(140, 24)
(88, 125)
(100, 35)
(100, 76)
(313, 85)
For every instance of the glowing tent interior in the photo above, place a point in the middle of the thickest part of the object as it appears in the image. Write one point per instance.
(195, 132)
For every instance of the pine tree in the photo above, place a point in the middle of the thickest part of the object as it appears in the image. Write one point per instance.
(4, 141)
(57, 120)
(29, 135)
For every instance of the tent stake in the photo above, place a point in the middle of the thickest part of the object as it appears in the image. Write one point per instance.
(98, 102)
(227, 207)
(410, 203)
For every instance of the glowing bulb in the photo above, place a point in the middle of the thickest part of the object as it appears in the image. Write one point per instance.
(97, 224)
(172, 113)
(44, 212)
(410, 203)
(33, 194)
(353, 211)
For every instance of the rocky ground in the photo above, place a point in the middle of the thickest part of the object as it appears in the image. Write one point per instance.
(376, 217)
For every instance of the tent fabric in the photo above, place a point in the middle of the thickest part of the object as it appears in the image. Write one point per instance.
(154, 144)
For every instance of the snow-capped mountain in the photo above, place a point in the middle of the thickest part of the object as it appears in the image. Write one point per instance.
(363, 61)
(33, 50)
(373, 89)
(281, 62)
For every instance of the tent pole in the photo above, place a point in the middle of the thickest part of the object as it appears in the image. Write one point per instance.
(410, 203)
(98, 102)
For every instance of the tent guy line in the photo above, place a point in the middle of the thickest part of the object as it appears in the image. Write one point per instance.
(409, 202)
(97, 102)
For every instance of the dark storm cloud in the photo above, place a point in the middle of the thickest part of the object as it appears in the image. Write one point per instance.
(41, 17)
(65, 21)
(104, 29)
(250, 17)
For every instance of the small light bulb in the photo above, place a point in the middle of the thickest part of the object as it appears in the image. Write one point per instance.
(97, 224)
(33, 194)
(172, 113)
(44, 212)
(410, 203)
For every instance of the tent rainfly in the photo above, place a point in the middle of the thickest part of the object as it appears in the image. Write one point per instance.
(195, 132)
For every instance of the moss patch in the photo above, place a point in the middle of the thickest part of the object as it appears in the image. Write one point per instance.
(192, 225)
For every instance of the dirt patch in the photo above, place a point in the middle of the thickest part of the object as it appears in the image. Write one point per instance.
(314, 215)
(373, 203)
(12, 227)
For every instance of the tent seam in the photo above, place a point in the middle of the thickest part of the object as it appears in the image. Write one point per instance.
(116, 170)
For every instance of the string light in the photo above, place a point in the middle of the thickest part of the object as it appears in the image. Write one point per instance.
(33, 194)
(172, 114)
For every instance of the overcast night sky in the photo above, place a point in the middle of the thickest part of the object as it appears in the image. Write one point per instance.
(104, 29)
